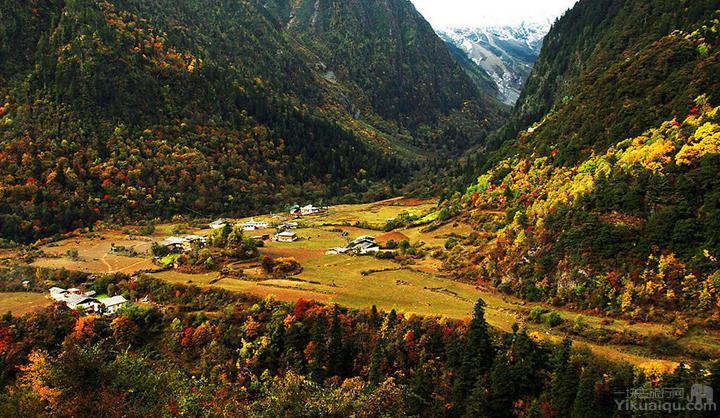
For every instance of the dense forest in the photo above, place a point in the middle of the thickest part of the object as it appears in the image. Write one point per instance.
(213, 353)
(633, 231)
(608, 70)
(607, 55)
(610, 199)
(140, 109)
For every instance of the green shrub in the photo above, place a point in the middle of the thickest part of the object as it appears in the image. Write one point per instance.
(580, 324)
(451, 242)
(664, 345)
(536, 314)
(146, 230)
(553, 319)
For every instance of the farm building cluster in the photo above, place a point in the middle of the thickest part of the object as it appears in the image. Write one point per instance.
(253, 225)
(250, 225)
(363, 245)
(185, 243)
(190, 242)
(75, 299)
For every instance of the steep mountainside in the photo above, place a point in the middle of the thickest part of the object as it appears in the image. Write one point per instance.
(127, 108)
(384, 49)
(611, 200)
(505, 53)
(608, 54)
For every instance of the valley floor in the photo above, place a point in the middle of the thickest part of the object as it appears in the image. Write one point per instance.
(419, 287)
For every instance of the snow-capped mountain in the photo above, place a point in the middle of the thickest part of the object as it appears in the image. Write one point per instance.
(505, 53)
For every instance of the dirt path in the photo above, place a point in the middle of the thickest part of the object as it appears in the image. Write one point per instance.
(110, 268)
(104, 261)
(130, 266)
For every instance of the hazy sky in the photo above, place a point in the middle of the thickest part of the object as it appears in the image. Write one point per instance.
(444, 13)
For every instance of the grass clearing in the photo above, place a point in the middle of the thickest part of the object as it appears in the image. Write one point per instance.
(373, 214)
(20, 303)
(437, 237)
(356, 282)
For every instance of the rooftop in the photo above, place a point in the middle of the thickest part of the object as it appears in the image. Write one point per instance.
(115, 300)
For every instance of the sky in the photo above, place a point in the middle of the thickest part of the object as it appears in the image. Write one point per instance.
(457, 13)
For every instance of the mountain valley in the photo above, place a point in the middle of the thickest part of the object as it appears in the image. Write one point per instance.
(329, 208)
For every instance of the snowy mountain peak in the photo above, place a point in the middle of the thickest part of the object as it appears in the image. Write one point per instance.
(505, 53)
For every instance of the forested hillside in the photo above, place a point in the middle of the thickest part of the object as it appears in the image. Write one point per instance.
(214, 353)
(125, 109)
(611, 69)
(610, 200)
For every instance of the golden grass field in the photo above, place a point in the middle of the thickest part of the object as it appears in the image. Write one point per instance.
(20, 303)
(347, 280)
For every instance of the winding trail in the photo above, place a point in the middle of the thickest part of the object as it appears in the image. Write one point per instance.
(104, 261)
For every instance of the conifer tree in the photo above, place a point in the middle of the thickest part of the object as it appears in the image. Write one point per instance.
(375, 372)
(564, 382)
(421, 390)
(586, 405)
(374, 317)
(319, 355)
(477, 358)
(477, 402)
(335, 352)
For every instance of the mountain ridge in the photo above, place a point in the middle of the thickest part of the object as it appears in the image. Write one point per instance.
(608, 200)
(505, 53)
(128, 101)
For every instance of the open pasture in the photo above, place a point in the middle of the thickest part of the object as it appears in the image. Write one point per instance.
(355, 282)
(373, 214)
(20, 303)
(94, 254)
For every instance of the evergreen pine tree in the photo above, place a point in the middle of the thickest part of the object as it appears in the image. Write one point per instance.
(502, 387)
(375, 372)
(319, 356)
(585, 405)
(564, 382)
(421, 390)
(477, 402)
(374, 317)
(335, 347)
(477, 358)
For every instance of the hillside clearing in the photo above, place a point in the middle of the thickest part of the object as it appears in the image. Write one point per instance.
(20, 303)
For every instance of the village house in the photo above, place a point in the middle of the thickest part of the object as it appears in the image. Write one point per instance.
(252, 225)
(363, 245)
(360, 240)
(220, 223)
(191, 241)
(309, 210)
(113, 304)
(286, 236)
(290, 225)
(186, 243)
(305, 210)
(365, 248)
(174, 243)
(76, 300)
